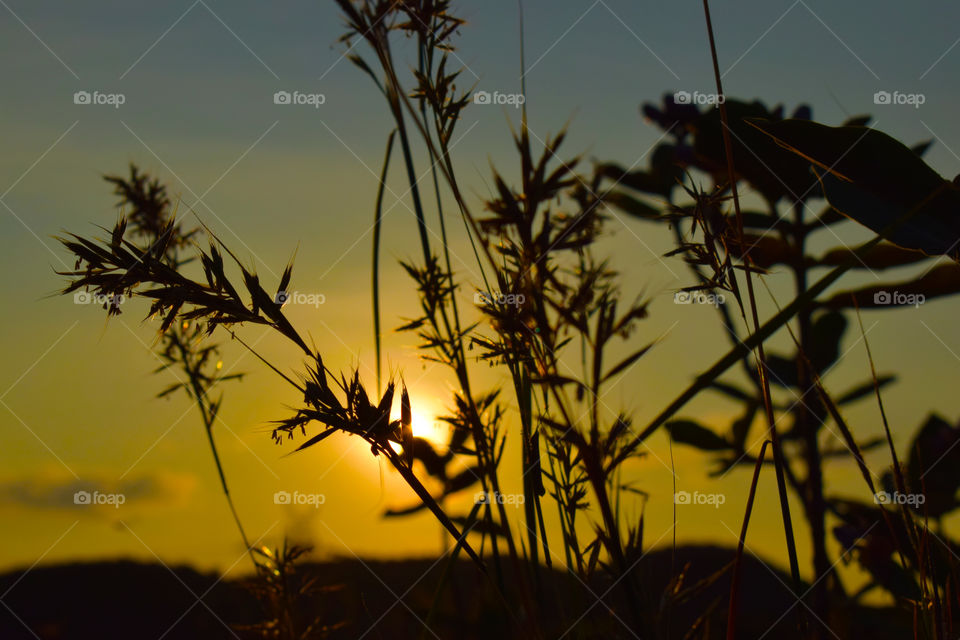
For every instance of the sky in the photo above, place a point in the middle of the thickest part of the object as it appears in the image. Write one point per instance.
(197, 80)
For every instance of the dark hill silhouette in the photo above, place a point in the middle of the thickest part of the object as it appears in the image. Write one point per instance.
(129, 600)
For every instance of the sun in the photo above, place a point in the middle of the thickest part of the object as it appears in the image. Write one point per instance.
(430, 428)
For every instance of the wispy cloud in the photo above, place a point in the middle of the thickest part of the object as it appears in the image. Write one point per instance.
(94, 492)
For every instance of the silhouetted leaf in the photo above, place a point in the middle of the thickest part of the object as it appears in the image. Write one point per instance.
(782, 370)
(731, 390)
(765, 250)
(826, 331)
(933, 466)
(691, 433)
(757, 158)
(633, 206)
(864, 389)
(942, 280)
(882, 256)
(406, 425)
(314, 440)
(626, 362)
(875, 180)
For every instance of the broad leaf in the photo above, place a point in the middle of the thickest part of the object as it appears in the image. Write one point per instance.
(875, 179)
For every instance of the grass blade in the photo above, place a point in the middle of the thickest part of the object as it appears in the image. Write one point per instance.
(377, 222)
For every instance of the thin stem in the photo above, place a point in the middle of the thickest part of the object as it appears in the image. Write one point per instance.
(377, 224)
(208, 418)
(761, 357)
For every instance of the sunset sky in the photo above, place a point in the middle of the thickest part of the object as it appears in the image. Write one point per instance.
(198, 79)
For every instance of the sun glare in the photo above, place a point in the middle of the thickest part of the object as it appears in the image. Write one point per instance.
(429, 428)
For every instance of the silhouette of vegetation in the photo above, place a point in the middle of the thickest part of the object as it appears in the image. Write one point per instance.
(547, 298)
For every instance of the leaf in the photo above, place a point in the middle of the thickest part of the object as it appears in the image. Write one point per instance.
(406, 425)
(942, 280)
(934, 229)
(314, 440)
(434, 463)
(691, 433)
(626, 362)
(883, 256)
(633, 206)
(933, 466)
(864, 390)
(660, 179)
(765, 250)
(756, 157)
(874, 179)
(737, 353)
(169, 389)
(825, 335)
(731, 390)
(782, 370)
(285, 280)
(762, 221)
(740, 428)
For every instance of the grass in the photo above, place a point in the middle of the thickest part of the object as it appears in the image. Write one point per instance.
(550, 298)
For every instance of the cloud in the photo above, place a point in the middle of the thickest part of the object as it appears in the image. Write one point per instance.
(93, 492)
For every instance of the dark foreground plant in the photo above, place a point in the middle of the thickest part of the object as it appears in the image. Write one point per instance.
(549, 315)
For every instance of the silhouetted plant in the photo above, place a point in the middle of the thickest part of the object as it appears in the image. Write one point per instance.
(864, 175)
(548, 298)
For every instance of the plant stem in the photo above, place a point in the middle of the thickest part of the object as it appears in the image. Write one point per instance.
(208, 418)
(778, 458)
(807, 423)
(377, 224)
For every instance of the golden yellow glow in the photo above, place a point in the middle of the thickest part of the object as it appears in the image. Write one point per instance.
(429, 428)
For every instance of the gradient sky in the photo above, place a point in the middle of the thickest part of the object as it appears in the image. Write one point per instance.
(198, 79)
